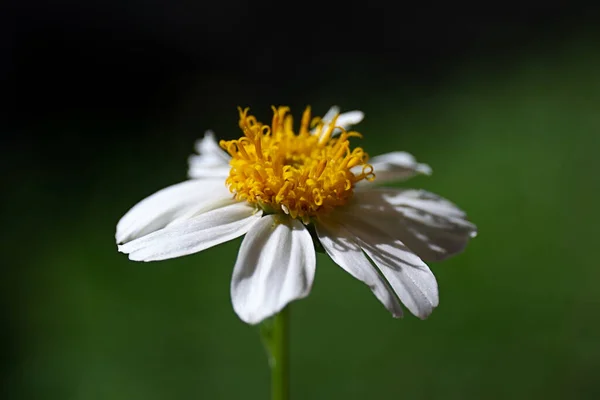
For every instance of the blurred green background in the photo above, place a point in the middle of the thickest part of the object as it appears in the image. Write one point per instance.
(506, 113)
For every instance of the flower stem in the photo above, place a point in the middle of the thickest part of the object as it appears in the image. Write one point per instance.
(275, 335)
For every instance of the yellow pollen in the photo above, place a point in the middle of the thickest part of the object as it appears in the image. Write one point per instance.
(304, 175)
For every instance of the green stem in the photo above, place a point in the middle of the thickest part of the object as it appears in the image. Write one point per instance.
(275, 335)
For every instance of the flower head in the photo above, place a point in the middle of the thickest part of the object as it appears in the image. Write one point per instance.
(303, 175)
(278, 186)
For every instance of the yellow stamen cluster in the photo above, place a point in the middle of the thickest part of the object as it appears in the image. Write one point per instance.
(304, 174)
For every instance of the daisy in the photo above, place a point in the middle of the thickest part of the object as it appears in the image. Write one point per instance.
(288, 192)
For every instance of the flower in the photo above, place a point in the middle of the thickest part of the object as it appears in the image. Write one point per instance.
(286, 192)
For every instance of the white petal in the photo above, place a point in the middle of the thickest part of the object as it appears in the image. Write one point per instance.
(275, 265)
(431, 226)
(333, 111)
(211, 161)
(340, 246)
(349, 118)
(422, 199)
(169, 204)
(406, 273)
(344, 120)
(394, 167)
(194, 235)
(198, 170)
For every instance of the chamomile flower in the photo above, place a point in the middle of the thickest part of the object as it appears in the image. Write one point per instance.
(285, 190)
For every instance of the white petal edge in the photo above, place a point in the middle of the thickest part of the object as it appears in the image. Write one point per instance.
(211, 160)
(349, 118)
(194, 235)
(275, 265)
(332, 112)
(431, 226)
(345, 120)
(406, 273)
(339, 244)
(169, 204)
(394, 167)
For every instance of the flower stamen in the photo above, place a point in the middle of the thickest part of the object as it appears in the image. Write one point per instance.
(303, 175)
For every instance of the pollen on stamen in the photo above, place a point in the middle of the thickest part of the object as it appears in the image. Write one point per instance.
(304, 175)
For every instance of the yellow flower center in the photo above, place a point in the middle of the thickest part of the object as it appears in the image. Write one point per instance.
(303, 175)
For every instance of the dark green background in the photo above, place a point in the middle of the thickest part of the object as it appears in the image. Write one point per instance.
(104, 109)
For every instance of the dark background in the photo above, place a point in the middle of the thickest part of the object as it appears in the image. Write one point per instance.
(102, 104)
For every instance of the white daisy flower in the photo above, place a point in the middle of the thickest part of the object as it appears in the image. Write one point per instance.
(288, 191)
